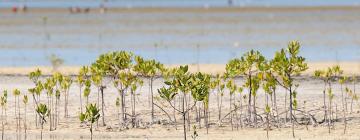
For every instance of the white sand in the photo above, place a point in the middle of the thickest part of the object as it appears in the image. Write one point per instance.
(310, 91)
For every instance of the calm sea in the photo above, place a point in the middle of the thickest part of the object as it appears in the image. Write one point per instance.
(175, 3)
(177, 37)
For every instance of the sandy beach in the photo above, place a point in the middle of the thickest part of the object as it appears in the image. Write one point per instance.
(309, 91)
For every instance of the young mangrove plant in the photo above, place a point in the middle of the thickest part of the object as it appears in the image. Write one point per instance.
(16, 94)
(91, 116)
(112, 64)
(58, 87)
(49, 88)
(182, 83)
(249, 65)
(3, 103)
(129, 82)
(148, 69)
(342, 81)
(34, 76)
(218, 85)
(269, 86)
(65, 87)
(232, 89)
(353, 96)
(81, 78)
(200, 90)
(97, 77)
(328, 76)
(43, 112)
(25, 101)
(87, 91)
(286, 65)
(195, 134)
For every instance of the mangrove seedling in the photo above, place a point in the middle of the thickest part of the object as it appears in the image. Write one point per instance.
(3, 102)
(286, 65)
(91, 116)
(43, 112)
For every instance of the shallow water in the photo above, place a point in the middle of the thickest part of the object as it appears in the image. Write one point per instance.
(175, 3)
(172, 38)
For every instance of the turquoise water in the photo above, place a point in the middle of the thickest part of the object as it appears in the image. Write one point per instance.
(174, 3)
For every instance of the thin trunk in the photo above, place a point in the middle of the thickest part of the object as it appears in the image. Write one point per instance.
(249, 102)
(91, 131)
(352, 99)
(57, 112)
(16, 115)
(272, 106)
(221, 100)
(197, 114)
(254, 111)
(2, 123)
(286, 112)
(102, 105)
(345, 122)
(152, 100)
(343, 107)
(241, 111)
(231, 115)
(118, 115)
(174, 113)
(5, 116)
(291, 112)
(53, 114)
(50, 118)
(324, 98)
(218, 104)
(36, 102)
(19, 120)
(267, 117)
(330, 115)
(81, 109)
(206, 119)
(336, 112)
(236, 115)
(122, 106)
(188, 114)
(276, 107)
(98, 103)
(65, 104)
(184, 116)
(25, 127)
(132, 100)
(36, 115)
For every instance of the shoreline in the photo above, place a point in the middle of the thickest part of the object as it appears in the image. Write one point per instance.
(349, 68)
(193, 9)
